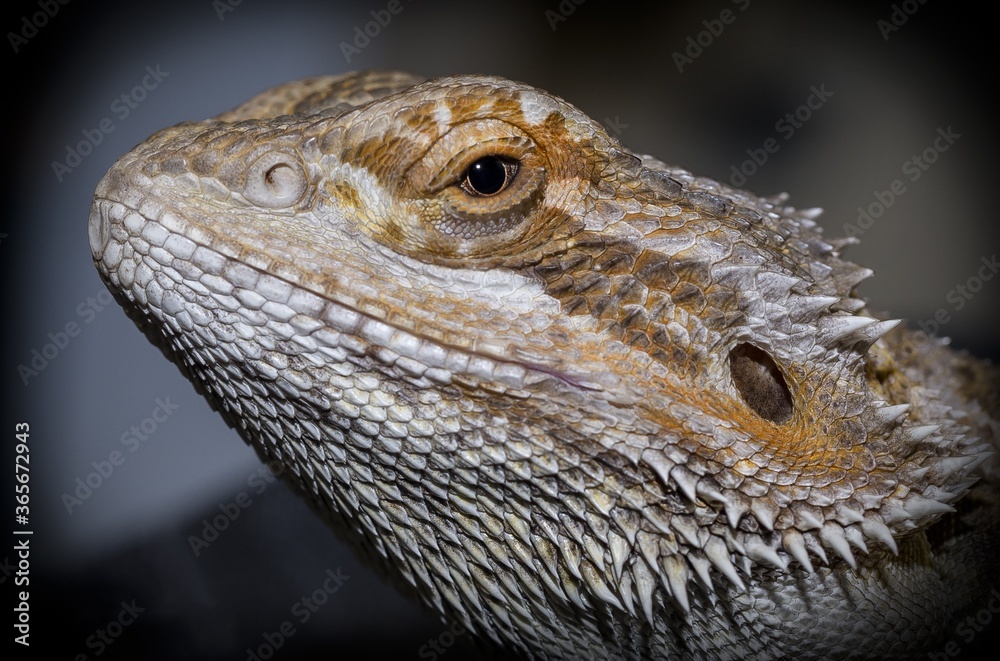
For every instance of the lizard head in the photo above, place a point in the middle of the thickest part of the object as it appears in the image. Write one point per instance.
(466, 287)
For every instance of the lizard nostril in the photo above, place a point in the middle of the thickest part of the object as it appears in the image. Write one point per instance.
(98, 229)
(760, 383)
(275, 180)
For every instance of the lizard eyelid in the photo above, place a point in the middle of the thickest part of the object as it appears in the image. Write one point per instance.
(449, 160)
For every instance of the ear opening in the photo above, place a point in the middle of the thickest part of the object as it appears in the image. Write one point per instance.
(760, 383)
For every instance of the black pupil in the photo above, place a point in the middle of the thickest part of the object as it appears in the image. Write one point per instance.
(487, 176)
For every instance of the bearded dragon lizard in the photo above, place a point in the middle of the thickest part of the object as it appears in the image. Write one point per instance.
(584, 403)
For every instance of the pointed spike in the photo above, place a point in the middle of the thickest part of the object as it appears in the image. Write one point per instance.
(796, 546)
(954, 496)
(806, 520)
(965, 483)
(686, 480)
(772, 282)
(945, 467)
(868, 501)
(707, 489)
(627, 595)
(968, 481)
(878, 531)
(818, 302)
(850, 515)
(595, 552)
(923, 431)
(837, 329)
(811, 213)
(702, 569)
(816, 547)
(958, 492)
(733, 542)
(571, 554)
(645, 583)
(856, 539)
(879, 329)
(893, 512)
(746, 564)
(765, 511)
(676, 572)
(620, 549)
(978, 459)
(841, 242)
(874, 333)
(627, 523)
(649, 548)
(762, 552)
(660, 465)
(890, 414)
(807, 308)
(919, 507)
(851, 305)
(594, 578)
(718, 555)
(687, 528)
(821, 246)
(853, 277)
(833, 536)
(736, 507)
(973, 443)
(660, 518)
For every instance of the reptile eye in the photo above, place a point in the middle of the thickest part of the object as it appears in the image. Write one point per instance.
(475, 190)
(488, 176)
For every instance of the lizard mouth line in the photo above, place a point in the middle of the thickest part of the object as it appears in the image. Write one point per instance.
(342, 317)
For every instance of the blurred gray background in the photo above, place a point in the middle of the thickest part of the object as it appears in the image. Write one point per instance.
(887, 93)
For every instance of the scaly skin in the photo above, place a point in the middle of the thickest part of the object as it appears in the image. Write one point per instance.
(585, 403)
